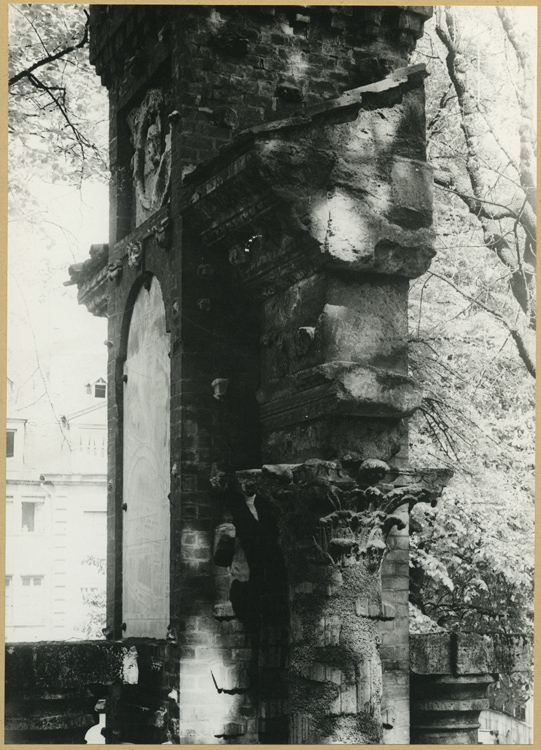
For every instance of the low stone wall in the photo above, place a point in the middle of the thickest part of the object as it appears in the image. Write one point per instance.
(450, 677)
(52, 689)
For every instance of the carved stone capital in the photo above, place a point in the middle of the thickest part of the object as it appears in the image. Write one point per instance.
(323, 488)
(91, 278)
(338, 516)
(333, 520)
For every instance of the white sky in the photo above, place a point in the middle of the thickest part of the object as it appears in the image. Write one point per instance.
(44, 317)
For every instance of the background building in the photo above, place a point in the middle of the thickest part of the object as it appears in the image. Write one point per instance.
(56, 459)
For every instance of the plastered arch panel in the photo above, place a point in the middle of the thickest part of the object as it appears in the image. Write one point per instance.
(146, 469)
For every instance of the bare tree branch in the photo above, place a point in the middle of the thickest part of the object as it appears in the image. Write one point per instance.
(27, 73)
(520, 259)
(526, 99)
(518, 337)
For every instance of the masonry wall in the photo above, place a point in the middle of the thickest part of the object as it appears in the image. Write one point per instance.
(220, 70)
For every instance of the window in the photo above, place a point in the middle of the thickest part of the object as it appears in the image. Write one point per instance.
(32, 600)
(100, 390)
(32, 580)
(32, 517)
(29, 516)
(10, 443)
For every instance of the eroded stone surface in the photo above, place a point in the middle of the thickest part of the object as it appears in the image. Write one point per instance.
(332, 523)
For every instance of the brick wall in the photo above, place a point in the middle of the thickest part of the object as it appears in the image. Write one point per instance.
(239, 68)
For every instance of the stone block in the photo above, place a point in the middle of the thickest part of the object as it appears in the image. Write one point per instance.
(411, 193)
(431, 653)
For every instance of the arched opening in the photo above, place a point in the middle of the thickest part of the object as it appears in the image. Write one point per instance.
(146, 469)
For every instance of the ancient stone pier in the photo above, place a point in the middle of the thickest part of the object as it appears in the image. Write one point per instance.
(270, 201)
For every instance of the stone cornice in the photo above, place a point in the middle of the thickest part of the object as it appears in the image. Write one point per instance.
(340, 388)
(91, 279)
(266, 185)
(94, 276)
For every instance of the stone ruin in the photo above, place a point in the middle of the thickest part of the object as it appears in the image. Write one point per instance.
(270, 201)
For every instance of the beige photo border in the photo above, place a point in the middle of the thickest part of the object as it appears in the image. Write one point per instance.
(3, 339)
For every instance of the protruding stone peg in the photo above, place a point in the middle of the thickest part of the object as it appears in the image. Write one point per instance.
(220, 386)
(239, 254)
(204, 304)
(163, 232)
(172, 636)
(114, 270)
(205, 271)
(305, 337)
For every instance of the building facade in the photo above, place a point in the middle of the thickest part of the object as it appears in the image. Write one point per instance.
(56, 478)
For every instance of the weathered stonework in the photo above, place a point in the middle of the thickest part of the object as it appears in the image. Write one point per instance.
(283, 261)
(329, 524)
(151, 161)
(52, 690)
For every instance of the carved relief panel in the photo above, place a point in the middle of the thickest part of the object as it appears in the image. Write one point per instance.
(150, 134)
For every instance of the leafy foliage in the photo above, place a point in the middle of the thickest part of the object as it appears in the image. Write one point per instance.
(56, 128)
(94, 599)
(472, 557)
(481, 136)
